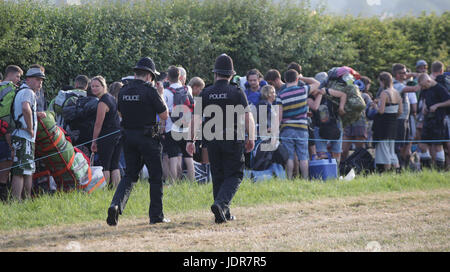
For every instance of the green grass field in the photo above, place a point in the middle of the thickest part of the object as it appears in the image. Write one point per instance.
(77, 207)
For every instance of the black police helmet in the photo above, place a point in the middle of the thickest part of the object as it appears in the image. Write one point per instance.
(224, 65)
(147, 64)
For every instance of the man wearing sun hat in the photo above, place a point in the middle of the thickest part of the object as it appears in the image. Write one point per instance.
(139, 103)
(23, 137)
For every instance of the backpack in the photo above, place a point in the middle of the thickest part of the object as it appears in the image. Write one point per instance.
(360, 160)
(327, 121)
(181, 97)
(63, 99)
(7, 95)
(344, 82)
(260, 160)
(444, 80)
(80, 118)
(16, 121)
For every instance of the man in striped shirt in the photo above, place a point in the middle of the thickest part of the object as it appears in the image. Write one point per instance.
(293, 109)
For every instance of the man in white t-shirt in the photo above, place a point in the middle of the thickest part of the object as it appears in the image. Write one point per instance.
(23, 137)
(402, 148)
(176, 149)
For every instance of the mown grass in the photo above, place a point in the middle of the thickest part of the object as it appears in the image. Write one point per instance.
(76, 207)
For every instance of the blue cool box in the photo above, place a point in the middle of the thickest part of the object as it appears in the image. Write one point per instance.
(323, 169)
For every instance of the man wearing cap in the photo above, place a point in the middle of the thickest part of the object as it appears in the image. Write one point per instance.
(225, 150)
(139, 103)
(421, 66)
(23, 137)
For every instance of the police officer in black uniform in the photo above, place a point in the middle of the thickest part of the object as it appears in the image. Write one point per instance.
(226, 155)
(139, 103)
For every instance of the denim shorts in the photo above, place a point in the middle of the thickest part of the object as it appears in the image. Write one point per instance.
(5, 151)
(321, 145)
(295, 141)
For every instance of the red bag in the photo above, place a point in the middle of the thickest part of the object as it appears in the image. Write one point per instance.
(3, 127)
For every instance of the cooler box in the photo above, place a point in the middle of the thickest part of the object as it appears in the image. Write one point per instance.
(323, 169)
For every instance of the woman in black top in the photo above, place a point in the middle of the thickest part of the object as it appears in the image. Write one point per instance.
(389, 106)
(107, 125)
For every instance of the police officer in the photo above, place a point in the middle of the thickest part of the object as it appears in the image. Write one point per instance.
(139, 103)
(226, 155)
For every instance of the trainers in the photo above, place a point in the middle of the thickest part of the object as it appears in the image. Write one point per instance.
(218, 213)
(113, 215)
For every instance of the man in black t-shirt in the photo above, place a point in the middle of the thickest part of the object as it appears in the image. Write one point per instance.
(436, 102)
(226, 143)
(141, 145)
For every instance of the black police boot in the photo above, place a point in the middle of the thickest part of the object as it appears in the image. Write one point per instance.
(113, 215)
(230, 217)
(164, 220)
(218, 213)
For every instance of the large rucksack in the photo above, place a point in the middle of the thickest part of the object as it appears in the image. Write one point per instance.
(444, 80)
(63, 99)
(7, 94)
(327, 121)
(80, 118)
(360, 160)
(342, 79)
(260, 160)
(183, 103)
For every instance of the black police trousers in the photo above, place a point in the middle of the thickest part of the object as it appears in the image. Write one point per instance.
(227, 161)
(139, 150)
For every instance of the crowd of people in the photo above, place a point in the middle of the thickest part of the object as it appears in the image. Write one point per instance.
(408, 107)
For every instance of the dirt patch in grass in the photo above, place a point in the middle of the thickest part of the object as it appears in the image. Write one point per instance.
(404, 221)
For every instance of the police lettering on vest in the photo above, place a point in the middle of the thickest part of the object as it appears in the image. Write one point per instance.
(214, 96)
(138, 99)
(131, 98)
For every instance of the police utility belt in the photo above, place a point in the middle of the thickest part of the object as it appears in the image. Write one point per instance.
(148, 130)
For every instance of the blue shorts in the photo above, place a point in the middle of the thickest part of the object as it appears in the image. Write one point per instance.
(296, 142)
(321, 144)
(5, 151)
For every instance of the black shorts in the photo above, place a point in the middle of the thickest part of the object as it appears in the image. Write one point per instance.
(109, 150)
(174, 148)
(434, 129)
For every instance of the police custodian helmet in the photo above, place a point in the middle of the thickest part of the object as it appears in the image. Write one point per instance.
(146, 64)
(224, 65)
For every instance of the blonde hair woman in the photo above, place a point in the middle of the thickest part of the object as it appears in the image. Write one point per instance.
(107, 125)
(384, 127)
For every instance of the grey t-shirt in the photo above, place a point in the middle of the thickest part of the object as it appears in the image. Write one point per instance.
(25, 95)
(399, 86)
